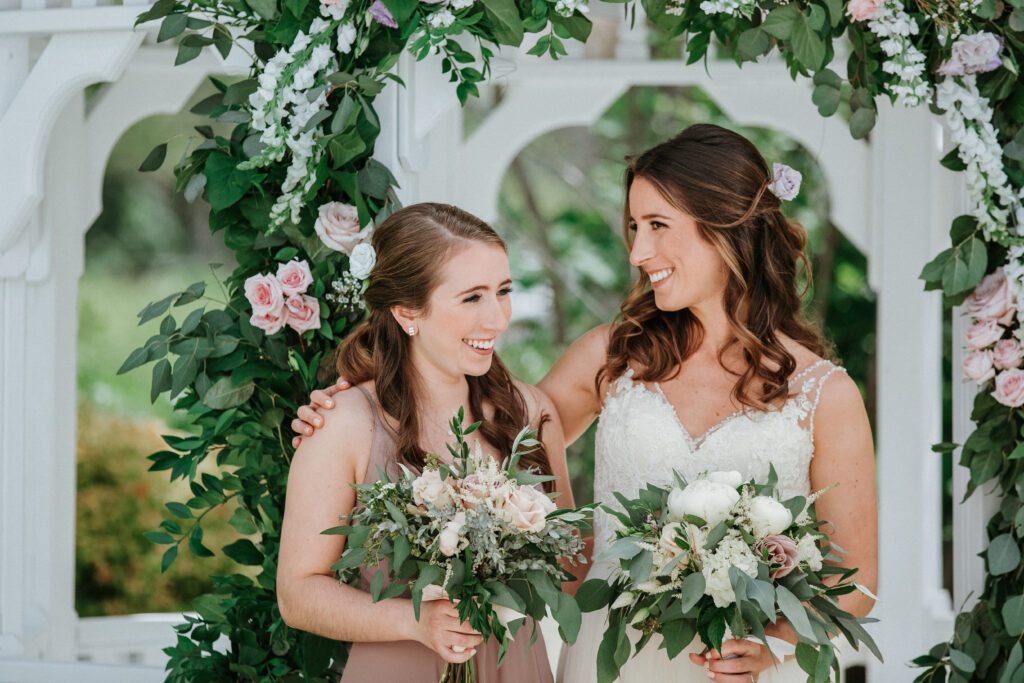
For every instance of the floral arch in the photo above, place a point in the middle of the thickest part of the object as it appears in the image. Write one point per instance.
(342, 131)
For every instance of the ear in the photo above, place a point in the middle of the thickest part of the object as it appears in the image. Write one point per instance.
(405, 317)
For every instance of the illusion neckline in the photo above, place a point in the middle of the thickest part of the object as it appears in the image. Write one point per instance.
(696, 443)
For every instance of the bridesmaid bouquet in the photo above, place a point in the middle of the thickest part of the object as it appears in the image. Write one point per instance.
(718, 555)
(476, 532)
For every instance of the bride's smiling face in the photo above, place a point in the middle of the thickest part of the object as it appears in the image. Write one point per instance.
(685, 270)
(466, 313)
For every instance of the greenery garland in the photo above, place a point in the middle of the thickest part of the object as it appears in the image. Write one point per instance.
(286, 165)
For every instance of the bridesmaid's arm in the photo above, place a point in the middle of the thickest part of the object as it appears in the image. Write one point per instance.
(570, 383)
(309, 596)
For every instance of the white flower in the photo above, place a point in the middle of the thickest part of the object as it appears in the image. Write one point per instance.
(728, 477)
(361, 260)
(809, 552)
(337, 225)
(567, 8)
(711, 501)
(442, 18)
(624, 600)
(731, 552)
(460, 4)
(346, 37)
(451, 535)
(768, 516)
(785, 182)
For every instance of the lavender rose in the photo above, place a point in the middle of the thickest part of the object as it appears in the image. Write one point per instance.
(781, 550)
(1010, 388)
(381, 15)
(973, 54)
(977, 366)
(785, 181)
(992, 299)
(983, 334)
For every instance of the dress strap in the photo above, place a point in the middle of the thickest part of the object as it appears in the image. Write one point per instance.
(382, 448)
(809, 384)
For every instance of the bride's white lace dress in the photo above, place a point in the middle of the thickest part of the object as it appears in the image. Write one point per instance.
(641, 440)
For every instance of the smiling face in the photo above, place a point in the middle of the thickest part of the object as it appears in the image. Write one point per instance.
(685, 270)
(466, 312)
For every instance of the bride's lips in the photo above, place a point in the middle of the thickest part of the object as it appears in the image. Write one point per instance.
(483, 347)
(658, 277)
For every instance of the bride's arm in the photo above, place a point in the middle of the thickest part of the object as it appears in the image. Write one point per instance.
(309, 596)
(570, 383)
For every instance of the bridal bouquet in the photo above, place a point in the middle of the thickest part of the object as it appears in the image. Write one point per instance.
(717, 556)
(476, 532)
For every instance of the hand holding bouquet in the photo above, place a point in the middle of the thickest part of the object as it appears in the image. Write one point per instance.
(475, 531)
(718, 555)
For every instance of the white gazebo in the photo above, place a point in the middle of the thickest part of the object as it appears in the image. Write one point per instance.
(890, 197)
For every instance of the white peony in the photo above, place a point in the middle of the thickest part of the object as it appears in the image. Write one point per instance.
(712, 501)
(361, 261)
(728, 477)
(768, 516)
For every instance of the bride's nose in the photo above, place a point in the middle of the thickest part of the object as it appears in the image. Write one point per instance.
(642, 248)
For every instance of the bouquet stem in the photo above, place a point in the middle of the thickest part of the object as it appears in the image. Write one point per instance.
(459, 673)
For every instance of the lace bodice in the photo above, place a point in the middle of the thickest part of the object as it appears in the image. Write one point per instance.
(641, 440)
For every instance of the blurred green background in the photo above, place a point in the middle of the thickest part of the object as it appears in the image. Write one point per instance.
(560, 210)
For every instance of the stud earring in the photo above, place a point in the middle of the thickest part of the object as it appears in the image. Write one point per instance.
(411, 330)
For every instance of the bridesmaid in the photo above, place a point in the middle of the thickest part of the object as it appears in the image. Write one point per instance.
(438, 299)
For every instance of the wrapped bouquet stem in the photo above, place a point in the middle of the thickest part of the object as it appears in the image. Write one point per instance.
(473, 530)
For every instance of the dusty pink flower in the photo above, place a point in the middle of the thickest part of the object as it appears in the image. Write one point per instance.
(303, 312)
(1010, 388)
(270, 323)
(526, 509)
(782, 551)
(862, 10)
(984, 333)
(473, 492)
(992, 299)
(337, 225)
(977, 366)
(430, 488)
(1007, 354)
(264, 295)
(294, 277)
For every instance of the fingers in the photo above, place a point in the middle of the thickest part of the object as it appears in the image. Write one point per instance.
(341, 385)
(457, 654)
(300, 427)
(309, 415)
(296, 441)
(320, 398)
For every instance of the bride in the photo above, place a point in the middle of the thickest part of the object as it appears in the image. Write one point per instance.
(710, 366)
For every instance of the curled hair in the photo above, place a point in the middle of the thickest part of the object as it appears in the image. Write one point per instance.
(412, 246)
(719, 178)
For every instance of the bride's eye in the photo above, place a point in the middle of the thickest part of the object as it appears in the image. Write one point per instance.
(504, 291)
(470, 299)
(657, 225)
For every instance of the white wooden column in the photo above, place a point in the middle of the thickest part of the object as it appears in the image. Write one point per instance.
(909, 227)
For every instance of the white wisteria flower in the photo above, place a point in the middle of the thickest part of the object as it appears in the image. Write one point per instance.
(443, 18)
(906, 64)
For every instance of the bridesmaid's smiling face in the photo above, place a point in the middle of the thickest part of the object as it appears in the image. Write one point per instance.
(685, 270)
(466, 313)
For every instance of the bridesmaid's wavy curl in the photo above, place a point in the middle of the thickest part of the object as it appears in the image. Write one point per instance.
(412, 245)
(720, 179)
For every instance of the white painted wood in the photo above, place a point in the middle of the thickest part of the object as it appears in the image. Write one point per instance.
(76, 19)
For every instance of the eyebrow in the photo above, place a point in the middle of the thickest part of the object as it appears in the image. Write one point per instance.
(478, 287)
(651, 216)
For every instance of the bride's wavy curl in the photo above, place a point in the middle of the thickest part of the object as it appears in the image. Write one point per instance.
(719, 178)
(412, 245)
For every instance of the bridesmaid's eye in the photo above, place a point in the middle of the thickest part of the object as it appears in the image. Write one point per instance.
(471, 299)
(657, 225)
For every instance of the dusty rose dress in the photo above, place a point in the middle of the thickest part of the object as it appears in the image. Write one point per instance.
(408, 661)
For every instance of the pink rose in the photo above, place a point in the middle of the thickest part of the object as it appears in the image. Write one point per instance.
(992, 299)
(862, 10)
(270, 323)
(473, 492)
(1007, 354)
(983, 334)
(430, 488)
(526, 509)
(338, 226)
(667, 543)
(782, 551)
(303, 312)
(977, 366)
(264, 295)
(294, 277)
(1010, 388)
(451, 535)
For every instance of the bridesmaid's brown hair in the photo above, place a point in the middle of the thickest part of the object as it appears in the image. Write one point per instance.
(719, 178)
(412, 245)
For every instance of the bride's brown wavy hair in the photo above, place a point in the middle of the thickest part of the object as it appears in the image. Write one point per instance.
(412, 246)
(719, 178)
